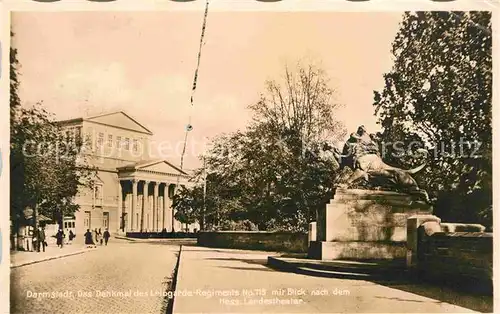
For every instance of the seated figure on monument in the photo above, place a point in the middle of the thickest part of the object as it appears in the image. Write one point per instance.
(361, 154)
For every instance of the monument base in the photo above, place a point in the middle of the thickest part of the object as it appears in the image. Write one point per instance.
(364, 224)
(356, 250)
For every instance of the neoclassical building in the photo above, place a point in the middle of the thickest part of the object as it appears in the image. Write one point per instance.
(131, 193)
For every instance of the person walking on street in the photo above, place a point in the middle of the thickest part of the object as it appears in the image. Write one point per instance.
(34, 241)
(89, 239)
(106, 236)
(100, 236)
(71, 236)
(96, 237)
(41, 239)
(60, 238)
(67, 241)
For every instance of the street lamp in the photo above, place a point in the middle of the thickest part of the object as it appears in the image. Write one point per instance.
(202, 226)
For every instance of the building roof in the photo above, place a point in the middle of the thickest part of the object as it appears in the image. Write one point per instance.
(101, 119)
(148, 163)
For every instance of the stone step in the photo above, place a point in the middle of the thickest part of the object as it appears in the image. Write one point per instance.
(331, 273)
(380, 269)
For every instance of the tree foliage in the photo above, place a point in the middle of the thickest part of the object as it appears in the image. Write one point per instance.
(46, 167)
(274, 174)
(439, 96)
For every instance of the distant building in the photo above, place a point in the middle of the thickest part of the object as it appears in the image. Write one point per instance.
(132, 193)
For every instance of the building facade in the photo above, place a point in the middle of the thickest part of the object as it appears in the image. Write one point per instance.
(131, 192)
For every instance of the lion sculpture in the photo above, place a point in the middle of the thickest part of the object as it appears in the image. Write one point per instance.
(361, 154)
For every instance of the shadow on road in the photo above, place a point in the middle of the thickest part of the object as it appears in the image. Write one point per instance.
(247, 268)
(442, 293)
(467, 299)
(257, 261)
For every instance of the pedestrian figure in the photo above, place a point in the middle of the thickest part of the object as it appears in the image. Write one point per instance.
(106, 236)
(60, 238)
(67, 240)
(89, 240)
(100, 236)
(71, 236)
(34, 240)
(41, 239)
(95, 235)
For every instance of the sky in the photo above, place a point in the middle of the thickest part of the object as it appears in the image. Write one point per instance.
(86, 63)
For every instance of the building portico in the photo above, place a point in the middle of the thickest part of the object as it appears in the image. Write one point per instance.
(146, 195)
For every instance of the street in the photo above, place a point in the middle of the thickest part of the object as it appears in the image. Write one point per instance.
(123, 277)
(134, 277)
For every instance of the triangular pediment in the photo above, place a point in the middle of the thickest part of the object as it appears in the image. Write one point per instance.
(120, 120)
(162, 166)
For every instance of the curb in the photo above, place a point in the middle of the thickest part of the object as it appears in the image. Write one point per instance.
(49, 258)
(125, 238)
(175, 279)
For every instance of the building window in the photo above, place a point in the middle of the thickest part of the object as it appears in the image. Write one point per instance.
(90, 135)
(98, 195)
(89, 138)
(86, 220)
(136, 145)
(127, 143)
(110, 140)
(100, 139)
(119, 142)
(78, 132)
(105, 220)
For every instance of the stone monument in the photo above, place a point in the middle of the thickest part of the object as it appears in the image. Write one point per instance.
(368, 223)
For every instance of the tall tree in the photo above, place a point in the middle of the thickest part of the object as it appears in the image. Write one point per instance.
(439, 94)
(273, 174)
(300, 104)
(47, 167)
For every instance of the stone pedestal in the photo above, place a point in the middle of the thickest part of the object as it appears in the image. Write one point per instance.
(312, 232)
(365, 224)
(414, 222)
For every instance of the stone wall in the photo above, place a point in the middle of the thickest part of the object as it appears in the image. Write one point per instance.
(255, 240)
(161, 235)
(459, 258)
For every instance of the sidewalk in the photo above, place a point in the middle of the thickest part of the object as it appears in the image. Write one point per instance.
(22, 258)
(236, 281)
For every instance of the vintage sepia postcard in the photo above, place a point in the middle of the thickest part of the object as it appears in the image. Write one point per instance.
(248, 156)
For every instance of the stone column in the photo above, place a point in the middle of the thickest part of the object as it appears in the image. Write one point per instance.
(161, 216)
(161, 213)
(134, 205)
(126, 210)
(155, 207)
(144, 204)
(120, 206)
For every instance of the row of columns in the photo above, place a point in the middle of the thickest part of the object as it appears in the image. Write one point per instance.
(143, 217)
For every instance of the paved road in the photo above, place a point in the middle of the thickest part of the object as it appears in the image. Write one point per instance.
(234, 281)
(124, 277)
